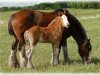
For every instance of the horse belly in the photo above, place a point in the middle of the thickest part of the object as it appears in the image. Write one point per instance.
(44, 40)
(41, 39)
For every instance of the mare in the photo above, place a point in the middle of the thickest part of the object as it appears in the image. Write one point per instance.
(50, 34)
(25, 19)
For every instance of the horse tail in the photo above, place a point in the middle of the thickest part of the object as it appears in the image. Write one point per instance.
(10, 28)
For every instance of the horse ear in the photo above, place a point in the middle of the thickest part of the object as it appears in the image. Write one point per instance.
(66, 11)
(59, 13)
(86, 41)
(89, 39)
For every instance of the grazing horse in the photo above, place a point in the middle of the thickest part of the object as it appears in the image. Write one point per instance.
(50, 34)
(25, 19)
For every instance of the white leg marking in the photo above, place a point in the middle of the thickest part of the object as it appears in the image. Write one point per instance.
(56, 53)
(12, 62)
(29, 56)
(55, 56)
(23, 59)
(52, 58)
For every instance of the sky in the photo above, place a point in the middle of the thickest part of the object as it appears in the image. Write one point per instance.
(30, 2)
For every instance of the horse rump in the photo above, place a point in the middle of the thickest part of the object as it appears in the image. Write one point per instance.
(10, 29)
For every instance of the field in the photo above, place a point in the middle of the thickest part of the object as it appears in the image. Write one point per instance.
(90, 19)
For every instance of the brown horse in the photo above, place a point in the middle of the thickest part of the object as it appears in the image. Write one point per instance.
(50, 34)
(25, 19)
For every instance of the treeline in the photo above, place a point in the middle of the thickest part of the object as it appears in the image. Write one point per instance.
(15, 8)
(56, 5)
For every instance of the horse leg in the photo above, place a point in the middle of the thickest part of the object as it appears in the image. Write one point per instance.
(55, 54)
(23, 58)
(65, 52)
(52, 54)
(29, 57)
(13, 62)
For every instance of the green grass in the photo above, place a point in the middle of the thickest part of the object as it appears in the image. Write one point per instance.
(42, 53)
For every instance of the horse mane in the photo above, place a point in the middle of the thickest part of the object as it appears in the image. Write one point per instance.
(53, 21)
(58, 10)
(77, 24)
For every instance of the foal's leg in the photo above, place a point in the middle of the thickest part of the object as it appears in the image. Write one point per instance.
(30, 43)
(65, 52)
(13, 62)
(55, 54)
(23, 58)
(29, 57)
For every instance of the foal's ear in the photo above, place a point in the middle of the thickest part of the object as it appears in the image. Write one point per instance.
(60, 13)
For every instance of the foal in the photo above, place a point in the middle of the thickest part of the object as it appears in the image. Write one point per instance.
(51, 34)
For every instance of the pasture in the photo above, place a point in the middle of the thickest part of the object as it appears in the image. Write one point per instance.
(90, 19)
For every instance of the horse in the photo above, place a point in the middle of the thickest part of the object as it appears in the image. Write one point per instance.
(50, 34)
(21, 21)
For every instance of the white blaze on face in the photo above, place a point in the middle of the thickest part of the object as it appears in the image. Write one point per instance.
(65, 21)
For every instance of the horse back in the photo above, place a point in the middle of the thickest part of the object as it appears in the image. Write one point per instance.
(25, 19)
(32, 35)
(43, 18)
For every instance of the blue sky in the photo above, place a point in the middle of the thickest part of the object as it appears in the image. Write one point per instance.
(30, 2)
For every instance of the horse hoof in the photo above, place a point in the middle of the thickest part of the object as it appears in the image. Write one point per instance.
(29, 65)
(54, 63)
(67, 62)
(64, 63)
(23, 63)
(86, 62)
(13, 63)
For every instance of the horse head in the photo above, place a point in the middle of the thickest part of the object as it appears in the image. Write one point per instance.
(65, 21)
(85, 50)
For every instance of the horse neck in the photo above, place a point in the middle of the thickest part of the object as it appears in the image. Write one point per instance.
(57, 25)
(77, 31)
(44, 18)
(79, 37)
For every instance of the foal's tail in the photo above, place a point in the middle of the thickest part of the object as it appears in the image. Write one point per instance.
(10, 29)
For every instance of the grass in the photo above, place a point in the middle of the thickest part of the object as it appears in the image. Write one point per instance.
(42, 53)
